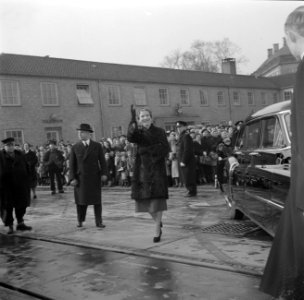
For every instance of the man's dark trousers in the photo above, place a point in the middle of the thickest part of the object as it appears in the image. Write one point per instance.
(82, 211)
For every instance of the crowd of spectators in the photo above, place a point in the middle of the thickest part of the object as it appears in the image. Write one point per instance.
(212, 146)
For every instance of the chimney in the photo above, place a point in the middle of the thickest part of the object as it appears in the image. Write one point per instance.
(284, 42)
(269, 51)
(229, 66)
(275, 48)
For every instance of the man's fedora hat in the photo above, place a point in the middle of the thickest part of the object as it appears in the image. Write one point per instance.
(8, 140)
(85, 127)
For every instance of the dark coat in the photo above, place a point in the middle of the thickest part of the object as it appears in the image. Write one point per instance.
(284, 272)
(14, 181)
(87, 166)
(32, 161)
(149, 179)
(55, 161)
(186, 156)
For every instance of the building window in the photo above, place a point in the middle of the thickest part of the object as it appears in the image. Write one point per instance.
(203, 98)
(83, 94)
(236, 98)
(250, 98)
(16, 134)
(263, 98)
(113, 95)
(49, 93)
(184, 94)
(116, 131)
(220, 98)
(275, 97)
(53, 133)
(287, 95)
(163, 97)
(140, 96)
(10, 92)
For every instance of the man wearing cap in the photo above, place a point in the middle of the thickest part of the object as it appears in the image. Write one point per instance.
(53, 160)
(186, 159)
(87, 169)
(14, 186)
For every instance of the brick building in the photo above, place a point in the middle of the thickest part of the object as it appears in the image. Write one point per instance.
(46, 98)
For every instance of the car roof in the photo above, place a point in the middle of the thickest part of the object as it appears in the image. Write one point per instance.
(271, 109)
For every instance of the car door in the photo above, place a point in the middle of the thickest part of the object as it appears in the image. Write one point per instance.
(269, 172)
(257, 181)
(250, 139)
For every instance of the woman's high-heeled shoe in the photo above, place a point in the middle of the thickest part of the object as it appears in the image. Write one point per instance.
(156, 239)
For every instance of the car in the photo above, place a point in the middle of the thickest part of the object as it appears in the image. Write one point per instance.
(258, 172)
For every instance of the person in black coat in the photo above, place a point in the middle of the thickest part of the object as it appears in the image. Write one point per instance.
(186, 159)
(284, 272)
(149, 181)
(32, 161)
(14, 186)
(87, 170)
(53, 160)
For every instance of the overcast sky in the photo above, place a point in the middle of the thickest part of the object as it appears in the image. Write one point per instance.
(139, 32)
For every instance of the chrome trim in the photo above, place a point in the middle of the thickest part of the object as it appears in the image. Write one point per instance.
(265, 200)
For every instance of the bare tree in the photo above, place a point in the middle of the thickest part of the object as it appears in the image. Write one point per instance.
(204, 56)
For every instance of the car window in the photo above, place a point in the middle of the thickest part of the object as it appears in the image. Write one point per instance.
(272, 133)
(252, 135)
(287, 122)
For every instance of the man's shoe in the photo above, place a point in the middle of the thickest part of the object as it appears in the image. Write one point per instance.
(100, 225)
(61, 191)
(10, 229)
(23, 227)
(79, 224)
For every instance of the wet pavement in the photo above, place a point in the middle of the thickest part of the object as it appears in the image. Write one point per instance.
(59, 261)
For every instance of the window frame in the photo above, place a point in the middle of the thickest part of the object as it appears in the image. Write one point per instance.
(119, 132)
(263, 99)
(205, 97)
(167, 97)
(17, 139)
(17, 91)
(288, 92)
(144, 93)
(238, 98)
(87, 96)
(181, 97)
(117, 87)
(252, 98)
(43, 94)
(220, 94)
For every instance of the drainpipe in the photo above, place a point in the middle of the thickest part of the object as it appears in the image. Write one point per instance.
(101, 109)
(229, 103)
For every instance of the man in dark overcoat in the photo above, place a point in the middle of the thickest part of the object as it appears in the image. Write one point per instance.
(87, 169)
(186, 159)
(14, 186)
(284, 272)
(53, 160)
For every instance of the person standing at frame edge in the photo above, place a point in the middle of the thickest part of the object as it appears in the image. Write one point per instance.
(87, 169)
(15, 193)
(149, 182)
(283, 277)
